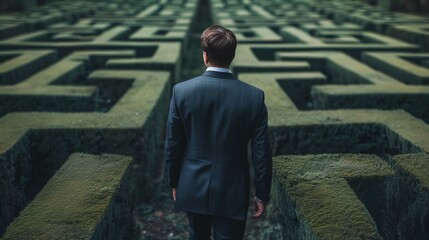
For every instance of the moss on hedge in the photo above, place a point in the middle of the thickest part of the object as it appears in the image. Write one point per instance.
(76, 200)
(402, 130)
(417, 165)
(131, 127)
(319, 202)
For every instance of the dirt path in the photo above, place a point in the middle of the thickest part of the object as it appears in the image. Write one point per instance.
(156, 220)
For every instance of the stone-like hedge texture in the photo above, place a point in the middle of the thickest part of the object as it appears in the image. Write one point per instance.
(89, 197)
(318, 203)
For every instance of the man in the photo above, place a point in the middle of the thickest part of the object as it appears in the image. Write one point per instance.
(211, 120)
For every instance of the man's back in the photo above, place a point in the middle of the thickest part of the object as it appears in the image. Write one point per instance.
(219, 115)
(211, 120)
(218, 112)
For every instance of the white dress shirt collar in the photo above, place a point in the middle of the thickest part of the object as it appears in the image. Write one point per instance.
(218, 69)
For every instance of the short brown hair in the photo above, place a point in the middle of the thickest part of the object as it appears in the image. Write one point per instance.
(219, 43)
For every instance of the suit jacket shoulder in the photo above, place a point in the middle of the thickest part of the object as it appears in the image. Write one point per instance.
(247, 87)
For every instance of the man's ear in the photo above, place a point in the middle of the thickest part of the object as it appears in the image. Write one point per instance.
(205, 59)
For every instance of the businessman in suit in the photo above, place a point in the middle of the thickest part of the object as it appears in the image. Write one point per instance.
(212, 118)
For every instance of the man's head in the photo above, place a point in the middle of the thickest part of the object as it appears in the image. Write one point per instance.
(218, 44)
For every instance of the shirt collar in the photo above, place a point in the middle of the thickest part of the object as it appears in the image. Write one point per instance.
(218, 69)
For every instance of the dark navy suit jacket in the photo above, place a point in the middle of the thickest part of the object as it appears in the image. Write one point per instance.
(211, 120)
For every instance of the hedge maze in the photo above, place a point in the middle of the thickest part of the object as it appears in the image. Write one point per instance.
(84, 92)
(85, 88)
(347, 95)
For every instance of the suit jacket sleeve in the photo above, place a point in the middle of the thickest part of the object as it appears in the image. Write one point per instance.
(175, 141)
(261, 154)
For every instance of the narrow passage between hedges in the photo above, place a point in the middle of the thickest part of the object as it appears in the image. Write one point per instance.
(155, 219)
